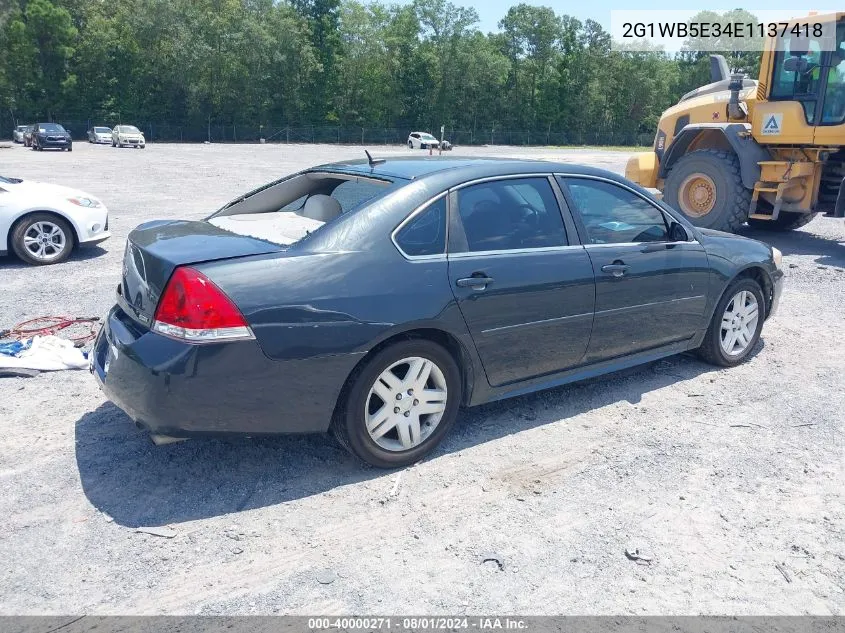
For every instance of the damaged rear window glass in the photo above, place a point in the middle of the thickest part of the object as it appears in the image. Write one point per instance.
(351, 194)
(286, 211)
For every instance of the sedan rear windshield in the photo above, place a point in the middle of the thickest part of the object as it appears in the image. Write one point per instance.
(286, 211)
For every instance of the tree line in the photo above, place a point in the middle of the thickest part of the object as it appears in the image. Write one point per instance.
(341, 63)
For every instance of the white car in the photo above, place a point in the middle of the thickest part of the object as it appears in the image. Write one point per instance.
(43, 223)
(127, 136)
(17, 133)
(424, 140)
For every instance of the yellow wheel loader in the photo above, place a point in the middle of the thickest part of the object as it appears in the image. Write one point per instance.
(768, 152)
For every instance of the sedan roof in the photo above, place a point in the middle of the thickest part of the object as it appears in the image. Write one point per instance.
(468, 168)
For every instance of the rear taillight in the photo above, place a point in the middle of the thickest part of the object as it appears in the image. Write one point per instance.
(193, 309)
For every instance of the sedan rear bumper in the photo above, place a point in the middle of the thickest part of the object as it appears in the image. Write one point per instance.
(181, 390)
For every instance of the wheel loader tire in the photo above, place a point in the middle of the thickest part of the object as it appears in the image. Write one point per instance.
(787, 221)
(706, 186)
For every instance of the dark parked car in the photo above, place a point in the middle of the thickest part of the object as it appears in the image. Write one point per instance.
(51, 136)
(374, 299)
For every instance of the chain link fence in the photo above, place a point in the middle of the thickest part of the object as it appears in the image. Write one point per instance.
(608, 134)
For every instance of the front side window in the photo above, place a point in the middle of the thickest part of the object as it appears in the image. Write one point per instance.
(425, 233)
(798, 73)
(834, 99)
(510, 214)
(614, 215)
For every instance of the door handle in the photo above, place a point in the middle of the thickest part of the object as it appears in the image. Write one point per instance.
(617, 268)
(479, 282)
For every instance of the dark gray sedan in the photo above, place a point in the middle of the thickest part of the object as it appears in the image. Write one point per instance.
(375, 298)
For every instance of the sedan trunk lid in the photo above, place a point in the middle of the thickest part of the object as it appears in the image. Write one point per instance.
(155, 249)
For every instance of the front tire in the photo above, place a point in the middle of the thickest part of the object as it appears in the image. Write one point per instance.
(400, 405)
(706, 186)
(42, 238)
(736, 324)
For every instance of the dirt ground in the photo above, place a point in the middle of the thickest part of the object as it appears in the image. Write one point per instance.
(732, 481)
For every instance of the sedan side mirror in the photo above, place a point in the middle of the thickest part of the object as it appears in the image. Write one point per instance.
(677, 233)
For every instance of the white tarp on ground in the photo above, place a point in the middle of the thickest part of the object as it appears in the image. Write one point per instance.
(46, 353)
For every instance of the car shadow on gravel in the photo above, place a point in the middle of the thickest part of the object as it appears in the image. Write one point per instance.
(11, 262)
(828, 252)
(138, 484)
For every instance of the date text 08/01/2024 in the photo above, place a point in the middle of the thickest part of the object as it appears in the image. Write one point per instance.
(486, 623)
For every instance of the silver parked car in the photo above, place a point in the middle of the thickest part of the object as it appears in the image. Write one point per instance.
(17, 133)
(127, 136)
(99, 134)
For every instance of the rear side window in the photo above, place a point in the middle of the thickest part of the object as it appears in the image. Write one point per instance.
(511, 214)
(425, 233)
(351, 194)
(614, 215)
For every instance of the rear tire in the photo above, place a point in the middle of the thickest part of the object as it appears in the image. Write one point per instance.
(725, 318)
(706, 186)
(787, 221)
(361, 403)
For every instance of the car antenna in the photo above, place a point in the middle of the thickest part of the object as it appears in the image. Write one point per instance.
(374, 161)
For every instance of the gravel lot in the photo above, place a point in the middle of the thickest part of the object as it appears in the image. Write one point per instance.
(733, 481)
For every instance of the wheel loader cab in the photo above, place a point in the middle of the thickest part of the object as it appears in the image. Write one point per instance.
(770, 153)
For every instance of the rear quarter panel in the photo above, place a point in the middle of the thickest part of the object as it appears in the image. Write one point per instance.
(321, 304)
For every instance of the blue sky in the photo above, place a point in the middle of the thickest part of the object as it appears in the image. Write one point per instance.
(491, 11)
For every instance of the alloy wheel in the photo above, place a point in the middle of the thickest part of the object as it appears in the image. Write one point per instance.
(739, 323)
(405, 404)
(44, 240)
